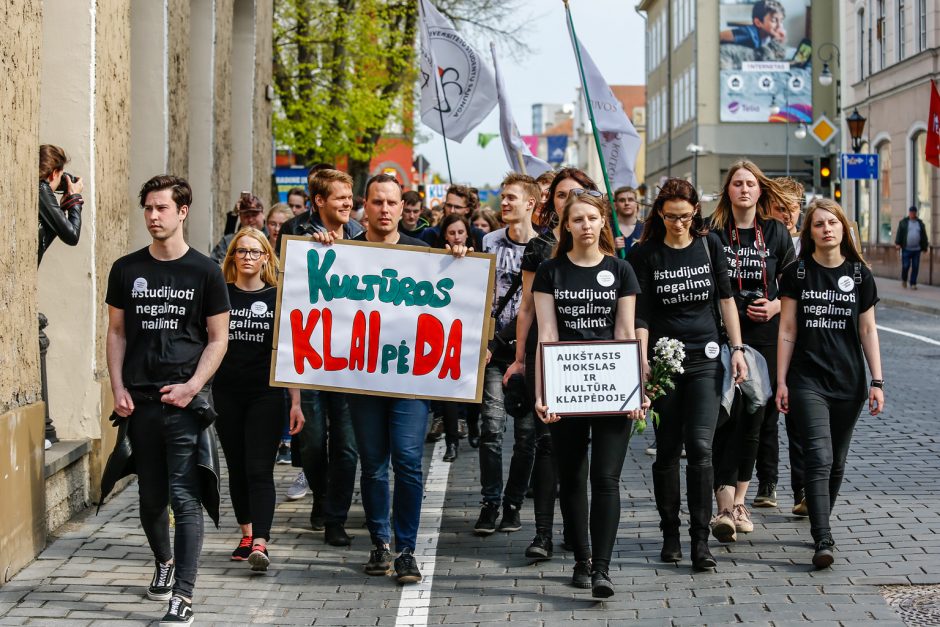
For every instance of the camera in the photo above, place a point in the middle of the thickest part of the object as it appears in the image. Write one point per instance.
(747, 297)
(64, 183)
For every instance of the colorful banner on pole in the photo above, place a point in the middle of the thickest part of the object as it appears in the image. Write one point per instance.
(414, 325)
(513, 144)
(557, 148)
(457, 88)
(932, 148)
(765, 61)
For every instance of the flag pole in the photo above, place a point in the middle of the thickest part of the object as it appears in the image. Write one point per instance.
(521, 161)
(437, 93)
(597, 137)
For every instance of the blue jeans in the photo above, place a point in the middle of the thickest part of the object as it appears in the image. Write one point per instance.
(328, 452)
(910, 262)
(390, 429)
(492, 427)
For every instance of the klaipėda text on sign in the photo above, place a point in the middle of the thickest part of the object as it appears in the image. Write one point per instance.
(588, 378)
(385, 320)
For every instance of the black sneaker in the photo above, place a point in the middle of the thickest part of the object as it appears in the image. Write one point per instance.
(243, 550)
(511, 520)
(180, 612)
(823, 556)
(380, 561)
(161, 587)
(259, 559)
(406, 567)
(601, 585)
(766, 495)
(283, 453)
(486, 523)
(541, 547)
(581, 577)
(436, 432)
(317, 520)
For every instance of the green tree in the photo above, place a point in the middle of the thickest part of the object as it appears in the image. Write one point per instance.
(345, 71)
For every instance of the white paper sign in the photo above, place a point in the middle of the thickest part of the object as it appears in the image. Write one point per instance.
(591, 377)
(384, 320)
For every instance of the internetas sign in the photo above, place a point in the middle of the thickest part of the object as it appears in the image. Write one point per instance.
(365, 318)
(584, 378)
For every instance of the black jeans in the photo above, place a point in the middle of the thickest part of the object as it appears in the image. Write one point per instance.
(826, 427)
(544, 468)
(328, 452)
(608, 437)
(164, 440)
(492, 426)
(688, 415)
(739, 438)
(249, 428)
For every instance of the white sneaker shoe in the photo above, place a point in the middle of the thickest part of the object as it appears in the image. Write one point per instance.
(47, 445)
(299, 488)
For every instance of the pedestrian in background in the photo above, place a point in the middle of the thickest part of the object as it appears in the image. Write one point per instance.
(628, 214)
(827, 321)
(485, 219)
(911, 240)
(250, 211)
(277, 216)
(250, 411)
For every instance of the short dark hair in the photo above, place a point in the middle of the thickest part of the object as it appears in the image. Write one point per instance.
(182, 192)
(297, 191)
(381, 178)
(411, 197)
(763, 7)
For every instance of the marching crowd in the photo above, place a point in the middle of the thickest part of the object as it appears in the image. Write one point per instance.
(761, 290)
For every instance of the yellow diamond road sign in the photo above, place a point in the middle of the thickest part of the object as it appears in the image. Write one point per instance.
(823, 130)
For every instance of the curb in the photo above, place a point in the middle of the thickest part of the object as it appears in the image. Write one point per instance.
(904, 304)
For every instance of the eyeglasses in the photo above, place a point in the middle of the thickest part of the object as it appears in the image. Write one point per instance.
(452, 206)
(249, 253)
(577, 191)
(684, 219)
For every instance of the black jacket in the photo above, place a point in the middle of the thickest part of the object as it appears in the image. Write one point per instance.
(309, 223)
(64, 222)
(901, 239)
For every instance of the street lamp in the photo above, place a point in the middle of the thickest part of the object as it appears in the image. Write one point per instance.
(828, 53)
(800, 132)
(695, 149)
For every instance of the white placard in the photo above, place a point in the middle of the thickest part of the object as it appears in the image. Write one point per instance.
(584, 378)
(366, 318)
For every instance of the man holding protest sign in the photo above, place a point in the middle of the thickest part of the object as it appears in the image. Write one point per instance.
(390, 428)
(520, 196)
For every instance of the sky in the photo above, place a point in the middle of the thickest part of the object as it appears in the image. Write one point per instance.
(612, 32)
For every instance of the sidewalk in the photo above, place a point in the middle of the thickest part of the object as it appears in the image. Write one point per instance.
(925, 298)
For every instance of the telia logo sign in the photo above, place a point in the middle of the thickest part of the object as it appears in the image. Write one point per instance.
(734, 106)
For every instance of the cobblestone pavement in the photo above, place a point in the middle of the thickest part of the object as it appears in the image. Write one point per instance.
(885, 524)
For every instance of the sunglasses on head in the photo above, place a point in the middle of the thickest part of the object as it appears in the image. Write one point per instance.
(577, 191)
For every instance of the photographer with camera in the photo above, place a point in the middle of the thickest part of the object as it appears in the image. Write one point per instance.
(757, 247)
(58, 220)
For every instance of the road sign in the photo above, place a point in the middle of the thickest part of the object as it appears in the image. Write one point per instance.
(859, 166)
(823, 130)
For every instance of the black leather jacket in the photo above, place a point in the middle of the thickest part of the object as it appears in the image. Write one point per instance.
(64, 222)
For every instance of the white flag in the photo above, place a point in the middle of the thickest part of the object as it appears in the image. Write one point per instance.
(456, 86)
(620, 142)
(515, 148)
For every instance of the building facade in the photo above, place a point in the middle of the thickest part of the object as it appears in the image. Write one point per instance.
(712, 99)
(891, 52)
(129, 89)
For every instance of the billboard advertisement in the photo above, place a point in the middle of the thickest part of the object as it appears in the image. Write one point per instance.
(765, 61)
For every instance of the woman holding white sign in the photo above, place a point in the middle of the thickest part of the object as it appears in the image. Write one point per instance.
(585, 294)
(827, 321)
(683, 277)
(250, 411)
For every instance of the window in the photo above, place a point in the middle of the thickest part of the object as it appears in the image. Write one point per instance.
(902, 20)
(863, 206)
(920, 178)
(861, 44)
(881, 35)
(920, 30)
(885, 213)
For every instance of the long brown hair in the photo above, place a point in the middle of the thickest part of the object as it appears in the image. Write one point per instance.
(605, 240)
(269, 269)
(548, 217)
(847, 246)
(51, 158)
(673, 189)
(770, 195)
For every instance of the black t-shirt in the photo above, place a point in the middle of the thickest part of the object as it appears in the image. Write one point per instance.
(537, 250)
(403, 240)
(247, 361)
(678, 288)
(585, 297)
(754, 265)
(827, 357)
(165, 305)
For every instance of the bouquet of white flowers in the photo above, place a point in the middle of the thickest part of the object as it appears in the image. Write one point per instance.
(668, 355)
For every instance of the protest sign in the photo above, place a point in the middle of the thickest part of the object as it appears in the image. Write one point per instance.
(365, 318)
(589, 378)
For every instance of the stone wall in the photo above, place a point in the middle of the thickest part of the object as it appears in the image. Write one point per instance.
(263, 108)
(178, 79)
(221, 149)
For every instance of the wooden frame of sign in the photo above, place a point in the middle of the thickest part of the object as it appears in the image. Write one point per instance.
(485, 336)
(621, 387)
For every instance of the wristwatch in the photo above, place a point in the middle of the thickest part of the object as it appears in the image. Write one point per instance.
(877, 383)
(737, 347)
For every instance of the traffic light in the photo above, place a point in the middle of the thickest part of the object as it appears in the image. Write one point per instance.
(825, 173)
(837, 192)
(421, 191)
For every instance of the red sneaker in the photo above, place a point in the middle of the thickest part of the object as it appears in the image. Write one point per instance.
(241, 553)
